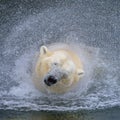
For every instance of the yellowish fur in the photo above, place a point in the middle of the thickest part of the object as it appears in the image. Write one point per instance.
(67, 60)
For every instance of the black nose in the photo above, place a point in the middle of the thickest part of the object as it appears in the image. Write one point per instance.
(50, 80)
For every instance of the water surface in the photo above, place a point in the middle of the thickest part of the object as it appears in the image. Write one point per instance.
(27, 25)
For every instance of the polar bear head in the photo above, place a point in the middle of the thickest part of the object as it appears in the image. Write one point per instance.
(58, 68)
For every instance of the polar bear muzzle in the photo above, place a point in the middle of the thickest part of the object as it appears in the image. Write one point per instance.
(54, 75)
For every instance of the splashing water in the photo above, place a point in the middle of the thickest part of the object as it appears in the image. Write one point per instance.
(98, 89)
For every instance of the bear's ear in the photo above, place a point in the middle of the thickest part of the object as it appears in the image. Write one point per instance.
(43, 50)
(80, 72)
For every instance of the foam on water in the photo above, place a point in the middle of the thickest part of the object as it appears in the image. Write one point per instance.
(94, 90)
(100, 86)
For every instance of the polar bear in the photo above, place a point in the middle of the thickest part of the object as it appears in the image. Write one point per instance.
(57, 71)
